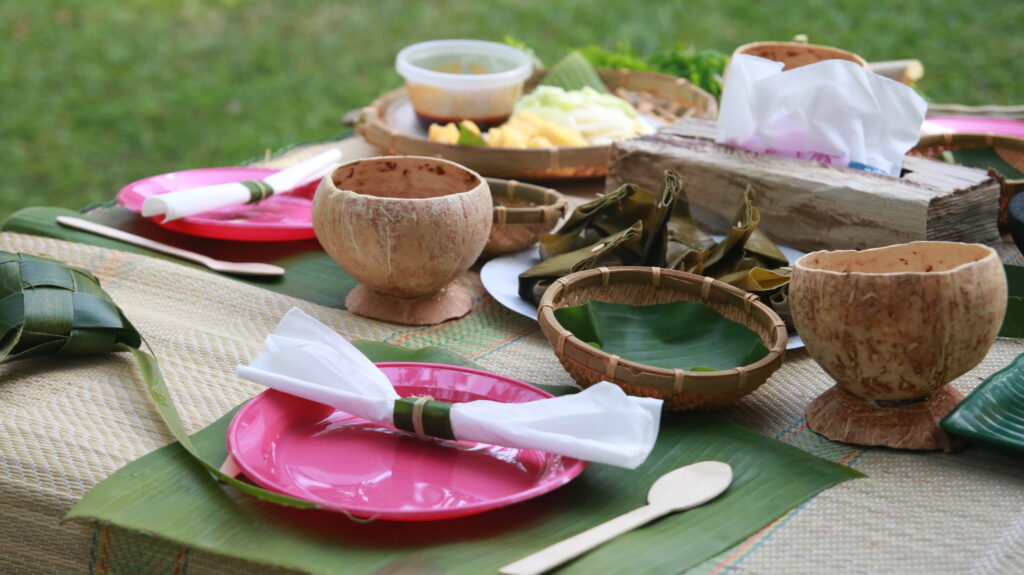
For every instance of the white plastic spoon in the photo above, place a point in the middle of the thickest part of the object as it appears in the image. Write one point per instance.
(243, 268)
(677, 490)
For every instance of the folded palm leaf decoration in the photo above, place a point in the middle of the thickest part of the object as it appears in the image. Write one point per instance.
(48, 308)
(632, 226)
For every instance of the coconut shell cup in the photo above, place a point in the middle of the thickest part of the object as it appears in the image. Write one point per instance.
(893, 326)
(405, 228)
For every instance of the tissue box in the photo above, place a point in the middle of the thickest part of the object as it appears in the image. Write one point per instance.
(810, 205)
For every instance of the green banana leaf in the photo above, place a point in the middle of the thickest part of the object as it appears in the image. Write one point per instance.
(574, 72)
(615, 250)
(167, 494)
(678, 335)
(594, 221)
(311, 274)
(994, 411)
(1013, 321)
(984, 158)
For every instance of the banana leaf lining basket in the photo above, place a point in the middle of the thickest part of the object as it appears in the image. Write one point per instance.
(679, 388)
(522, 213)
(1008, 152)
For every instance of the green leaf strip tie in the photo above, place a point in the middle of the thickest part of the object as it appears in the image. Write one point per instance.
(258, 190)
(424, 416)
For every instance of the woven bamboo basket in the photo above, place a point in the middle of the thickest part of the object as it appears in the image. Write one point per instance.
(680, 389)
(523, 213)
(796, 54)
(665, 98)
(1009, 148)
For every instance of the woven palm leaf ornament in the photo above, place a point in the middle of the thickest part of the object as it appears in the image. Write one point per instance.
(49, 309)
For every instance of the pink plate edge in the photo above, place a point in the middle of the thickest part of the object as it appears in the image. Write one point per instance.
(217, 229)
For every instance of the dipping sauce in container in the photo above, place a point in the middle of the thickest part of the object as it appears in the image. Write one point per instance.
(455, 80)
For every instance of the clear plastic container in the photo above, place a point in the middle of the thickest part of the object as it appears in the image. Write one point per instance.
(454, 80)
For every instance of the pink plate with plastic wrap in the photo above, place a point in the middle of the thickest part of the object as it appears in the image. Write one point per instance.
(311, 451)
(981, 125)
(281, 217)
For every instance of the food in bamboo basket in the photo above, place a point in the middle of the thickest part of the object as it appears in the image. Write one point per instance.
(405, 228)
(391, 124)
(522, 213)
(893, 326)
(681, 388)
(633, 226)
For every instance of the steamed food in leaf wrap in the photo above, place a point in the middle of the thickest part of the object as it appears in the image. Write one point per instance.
(633, 226)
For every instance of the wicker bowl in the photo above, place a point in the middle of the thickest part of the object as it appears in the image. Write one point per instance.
(679, 388)
(665, 98)
(523, 213)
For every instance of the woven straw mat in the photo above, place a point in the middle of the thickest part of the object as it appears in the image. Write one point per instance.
(67, 425)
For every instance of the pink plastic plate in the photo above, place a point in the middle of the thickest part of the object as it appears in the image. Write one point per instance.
(313, 452)
(281, 217)
(1001, 126)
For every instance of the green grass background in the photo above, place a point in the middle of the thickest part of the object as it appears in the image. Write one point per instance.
(98, 93)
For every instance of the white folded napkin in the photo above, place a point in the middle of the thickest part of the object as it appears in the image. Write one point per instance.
(305, 358)
(184, 203)
(832, 111)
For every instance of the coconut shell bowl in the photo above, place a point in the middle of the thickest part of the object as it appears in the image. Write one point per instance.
(894, 326)
(405, 228)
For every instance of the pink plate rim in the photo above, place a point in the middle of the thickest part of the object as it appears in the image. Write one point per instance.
(572, 467)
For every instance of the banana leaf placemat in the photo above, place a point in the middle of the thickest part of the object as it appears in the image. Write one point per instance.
(69, 426)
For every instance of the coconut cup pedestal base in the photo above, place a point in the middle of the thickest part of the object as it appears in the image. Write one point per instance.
(450, 303)
(842, 416)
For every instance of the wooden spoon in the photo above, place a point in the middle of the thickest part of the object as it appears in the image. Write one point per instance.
(677, 490)
(241, 268)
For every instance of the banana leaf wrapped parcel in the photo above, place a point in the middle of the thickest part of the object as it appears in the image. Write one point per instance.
(633, 226)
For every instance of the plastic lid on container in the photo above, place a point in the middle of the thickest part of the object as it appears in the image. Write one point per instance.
(475, 63)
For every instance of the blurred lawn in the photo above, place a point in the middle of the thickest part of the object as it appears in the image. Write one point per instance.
(98, 93)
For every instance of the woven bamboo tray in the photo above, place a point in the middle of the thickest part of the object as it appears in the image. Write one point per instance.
(645, 286)
(523, 213)
(664, 98)
(1009, 148)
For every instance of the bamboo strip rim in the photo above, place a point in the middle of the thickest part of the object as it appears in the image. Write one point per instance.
(954, 140)
(540, 163)
(624, 371)
(550, 208)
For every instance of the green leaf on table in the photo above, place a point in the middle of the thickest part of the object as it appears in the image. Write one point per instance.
(1013, 321)
(679, 335)
(166, 493)
(994, 411)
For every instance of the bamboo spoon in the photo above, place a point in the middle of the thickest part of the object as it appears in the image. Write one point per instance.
(241, 268)
(677, 490)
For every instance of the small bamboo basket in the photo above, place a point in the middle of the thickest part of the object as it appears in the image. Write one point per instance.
(680, 389)
(665, 98)
(796, 54)
(1009, 148)
(523, 213)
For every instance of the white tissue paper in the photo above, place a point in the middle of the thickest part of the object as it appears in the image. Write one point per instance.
(833, 111)
(184, 203)
(305, 358)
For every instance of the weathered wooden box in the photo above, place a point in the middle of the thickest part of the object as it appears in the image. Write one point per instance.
(811, 205)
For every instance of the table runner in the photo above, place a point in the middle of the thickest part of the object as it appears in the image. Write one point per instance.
(917, 512)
